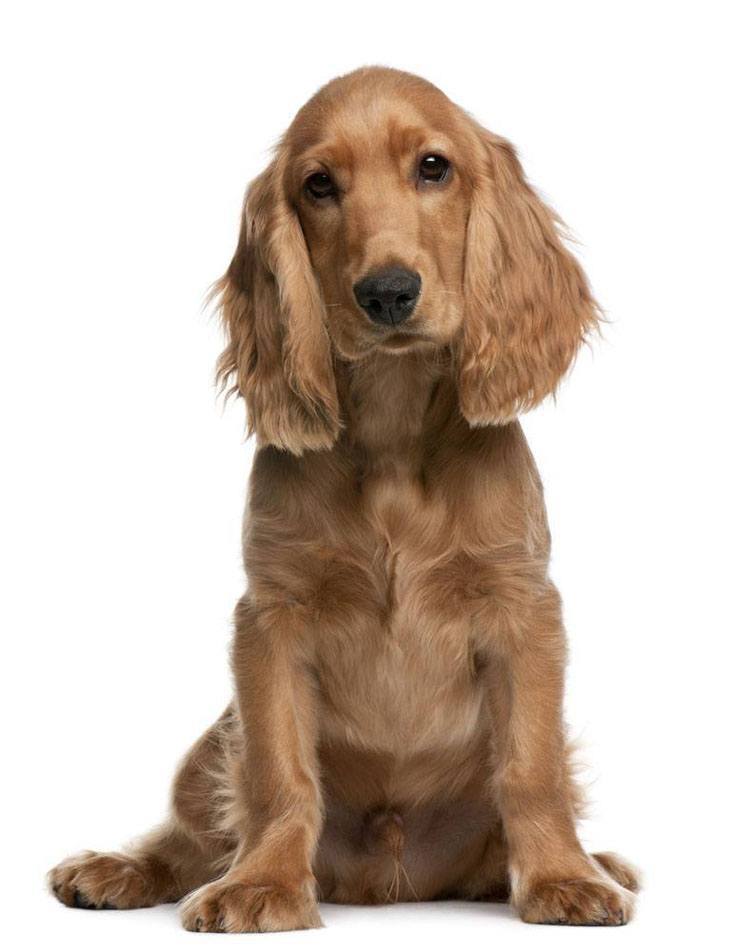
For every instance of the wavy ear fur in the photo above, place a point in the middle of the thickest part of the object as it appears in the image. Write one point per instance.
(278, 354)
(528, 306)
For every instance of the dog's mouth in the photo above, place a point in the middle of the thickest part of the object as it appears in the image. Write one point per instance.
(403, 343)
(395, 340)
(400, 339)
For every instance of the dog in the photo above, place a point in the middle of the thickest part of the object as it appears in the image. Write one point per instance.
(399, 294)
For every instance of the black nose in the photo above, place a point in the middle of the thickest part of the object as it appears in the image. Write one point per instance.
(388, 297)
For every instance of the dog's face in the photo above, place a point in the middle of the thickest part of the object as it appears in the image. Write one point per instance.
(390, 220)
(382, 186)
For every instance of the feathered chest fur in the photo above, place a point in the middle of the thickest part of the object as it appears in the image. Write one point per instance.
(402, 673)
(387, 561)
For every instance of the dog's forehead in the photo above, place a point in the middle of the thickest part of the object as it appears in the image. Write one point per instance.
(350, 121)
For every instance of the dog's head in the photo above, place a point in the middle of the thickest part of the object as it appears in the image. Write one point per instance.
(389, 220)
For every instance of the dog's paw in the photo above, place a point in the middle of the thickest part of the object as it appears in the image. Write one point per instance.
(103, 881)
(578, 902)
(230, 906)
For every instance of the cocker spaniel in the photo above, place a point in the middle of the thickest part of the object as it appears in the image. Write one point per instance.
(399, 294)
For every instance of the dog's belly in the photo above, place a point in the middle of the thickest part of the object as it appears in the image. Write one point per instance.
(387, 855)
(404, 759)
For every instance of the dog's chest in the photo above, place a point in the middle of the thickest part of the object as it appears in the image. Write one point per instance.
(402, 674)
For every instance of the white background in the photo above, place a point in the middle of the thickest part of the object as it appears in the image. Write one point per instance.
(130, 132)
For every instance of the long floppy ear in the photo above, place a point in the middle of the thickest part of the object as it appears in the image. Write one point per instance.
(528, 306)
(278, 355)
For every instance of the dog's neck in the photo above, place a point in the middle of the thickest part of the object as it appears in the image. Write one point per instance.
(387, 403)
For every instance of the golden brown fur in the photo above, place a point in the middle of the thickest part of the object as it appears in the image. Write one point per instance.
(397, 728)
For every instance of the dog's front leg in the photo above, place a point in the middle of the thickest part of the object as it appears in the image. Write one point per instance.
(552, 878)
(270, 886)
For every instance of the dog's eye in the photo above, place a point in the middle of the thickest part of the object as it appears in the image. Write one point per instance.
(433, 168)
(320, 185)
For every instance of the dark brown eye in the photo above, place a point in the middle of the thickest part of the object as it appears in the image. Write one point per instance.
(433, 168)
(320, 185)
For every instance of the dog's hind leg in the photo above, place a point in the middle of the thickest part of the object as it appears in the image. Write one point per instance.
(620, 870)
(188, 850)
